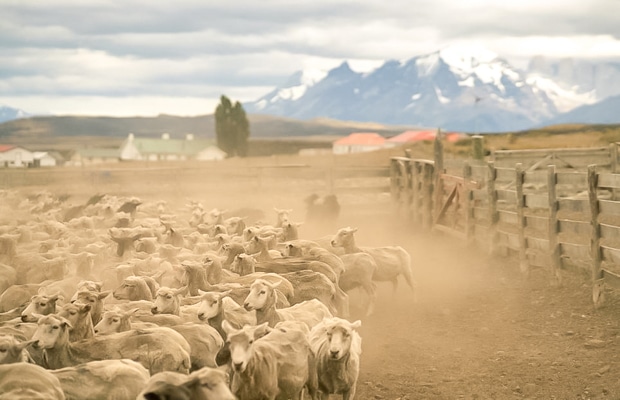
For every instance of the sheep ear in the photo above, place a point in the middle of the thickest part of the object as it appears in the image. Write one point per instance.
(84, 308)
(228, 328)
(104, 294)
(355, 325)
(261, 330)
(274, 284)
(38, 316)
(181, 291)
(65, 322)
(225, 293)
(131, 312)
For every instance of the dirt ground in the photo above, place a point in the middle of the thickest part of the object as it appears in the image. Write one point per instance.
(478, 329)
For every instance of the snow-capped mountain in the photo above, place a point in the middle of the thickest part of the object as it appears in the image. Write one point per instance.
(9, 113)
(466, 89)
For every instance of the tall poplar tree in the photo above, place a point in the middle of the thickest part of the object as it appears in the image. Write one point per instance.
(232, 128)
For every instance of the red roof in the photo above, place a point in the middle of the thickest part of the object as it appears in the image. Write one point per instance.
(362, 138)
(5, 147)
(414, 136)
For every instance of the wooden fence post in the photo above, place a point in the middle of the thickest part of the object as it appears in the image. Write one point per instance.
(492, 201)
(524, 264)
(613, 158)
(477, 143)
(598, 284)
(468, 203)
(405, 187)
(427, 196)
(438, 171)
(554, 249)
(394, 180)
(416, 192)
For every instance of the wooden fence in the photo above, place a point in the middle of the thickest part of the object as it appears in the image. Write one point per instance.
(557, 217)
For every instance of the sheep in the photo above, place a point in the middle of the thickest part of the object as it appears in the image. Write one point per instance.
(218, 307)
(115, 321)
(102, 380)
(95, 300)
(259, 245)
(39, 305)
(359, 270)
(78, 315)
(283, 216)
(124, 239)
(12, 350)
(136, 288)
(23, 381)
(262, 298)
(234, 225)
(158, 349)
(337, 347)
(268, 364)
(391, 261)
(8, 277)
(204, 384)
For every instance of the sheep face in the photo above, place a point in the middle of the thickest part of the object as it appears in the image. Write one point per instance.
(39, 305)
(339, 338)
(343, 237)
(51, 330)
(11, 350)
(167, 301)
(240, 343)
(112, 322)
(209, 306)
(74, 312)
(260, 292)
(211, 383)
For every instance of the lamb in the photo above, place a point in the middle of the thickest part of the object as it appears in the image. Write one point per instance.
(124, 239)
(262, 298)
(115, 321)
(23, 381)
(283, 216)
(234, 225)
(158, 349)
(95, 300)
(392, 261)
(102, 380)
(337, 347)
(268, 364)
(204, 384)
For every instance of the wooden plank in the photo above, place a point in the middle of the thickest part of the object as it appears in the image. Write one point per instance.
(581, 206)
(508, 217)
(536, 201)
(609, 207)
(595, 238)
(579, 179)
(536, 222)
(610, 254)
(611, 278)
(537, 243)
(581, 228)
(610, 231)
(535, 178)
(508, 196)
(524, 265)
(508, 239)
(575, 251)
(505, 174)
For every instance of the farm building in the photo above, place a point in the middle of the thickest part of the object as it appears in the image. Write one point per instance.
(359, 142)
(95, 155)
(167, 149)
(18, 157)
(416, 136)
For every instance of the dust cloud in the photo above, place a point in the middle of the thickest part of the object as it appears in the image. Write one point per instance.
(478, 330)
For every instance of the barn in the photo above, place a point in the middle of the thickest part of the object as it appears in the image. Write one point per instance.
(15, 156)
(421, 135)
(168, 149)
(359, 142)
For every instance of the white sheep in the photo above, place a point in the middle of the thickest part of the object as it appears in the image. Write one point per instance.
(204, 384)
(23, 381)
(103, 380)
(392, 261)
(268, 364)
(158, 349)
(337, 347)
(262, 298)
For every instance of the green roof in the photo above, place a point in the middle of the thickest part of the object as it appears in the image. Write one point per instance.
(171, 146)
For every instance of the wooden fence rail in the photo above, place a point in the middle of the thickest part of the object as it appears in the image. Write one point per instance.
(556, 217)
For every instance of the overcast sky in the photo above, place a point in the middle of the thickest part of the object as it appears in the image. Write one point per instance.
(145, 57)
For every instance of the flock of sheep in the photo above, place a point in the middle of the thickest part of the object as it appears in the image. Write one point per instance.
(121, 299)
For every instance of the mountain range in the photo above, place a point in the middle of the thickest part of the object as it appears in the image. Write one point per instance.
(466, 89)
(9, 113)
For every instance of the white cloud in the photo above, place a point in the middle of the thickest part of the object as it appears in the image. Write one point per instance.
(178, 56)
